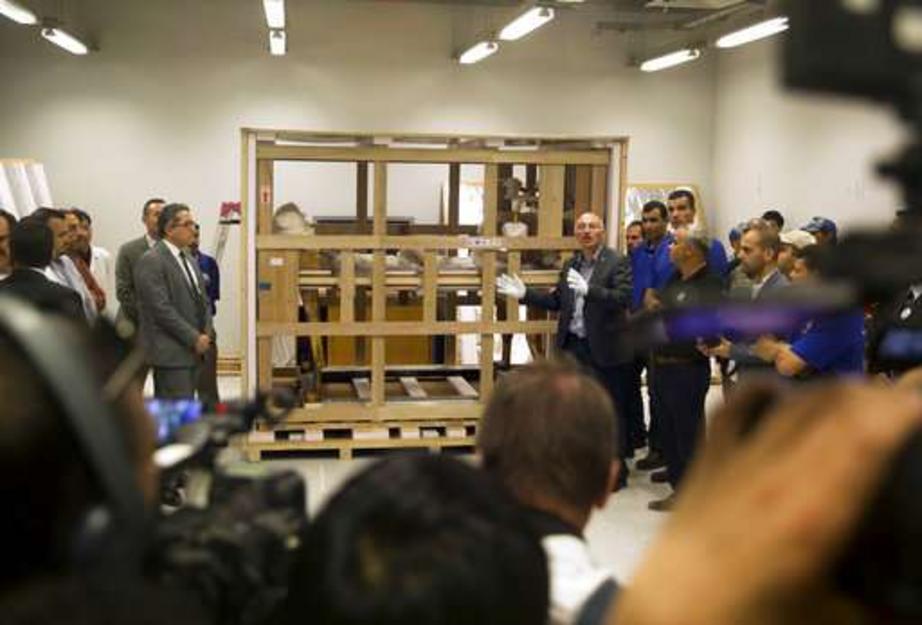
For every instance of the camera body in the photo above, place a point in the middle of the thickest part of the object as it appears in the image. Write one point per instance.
(231, 541)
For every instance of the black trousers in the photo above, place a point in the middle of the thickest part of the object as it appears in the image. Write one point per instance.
(614, 379)
(681, 390)
(634, 412)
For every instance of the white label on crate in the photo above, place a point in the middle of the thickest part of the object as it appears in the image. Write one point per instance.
(277, 261)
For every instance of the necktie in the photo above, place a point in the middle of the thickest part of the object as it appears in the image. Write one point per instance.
(185, 265)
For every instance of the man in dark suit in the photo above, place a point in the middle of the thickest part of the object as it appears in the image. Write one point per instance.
(31, 247)
(128, 256)
(175, 321)
(593, 296)
(759, 250)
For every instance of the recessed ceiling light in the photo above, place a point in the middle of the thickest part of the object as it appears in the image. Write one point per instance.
(65, 40)
(527, 22)
(17, 12)
(478, 52)
(670, 60)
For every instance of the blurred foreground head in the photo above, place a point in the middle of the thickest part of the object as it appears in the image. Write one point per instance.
(422, 540)
(51, 491)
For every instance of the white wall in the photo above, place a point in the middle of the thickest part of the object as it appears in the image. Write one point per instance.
(157, 110)
(801, 154)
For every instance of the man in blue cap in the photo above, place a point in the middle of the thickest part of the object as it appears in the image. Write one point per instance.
(823, 229)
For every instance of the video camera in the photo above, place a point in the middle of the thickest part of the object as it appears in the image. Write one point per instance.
(228, 531)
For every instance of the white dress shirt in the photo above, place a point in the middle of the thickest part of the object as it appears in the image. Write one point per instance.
(189, 263)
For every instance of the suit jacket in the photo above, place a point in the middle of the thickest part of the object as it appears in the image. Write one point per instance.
(172, 315)
(128, 256)
(606, 307)
(741, 353)
(32, 286)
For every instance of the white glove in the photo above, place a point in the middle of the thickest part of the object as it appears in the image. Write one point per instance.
(577, 282)
(510, 286)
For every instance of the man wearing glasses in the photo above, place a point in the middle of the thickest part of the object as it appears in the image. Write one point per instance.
(175, 319)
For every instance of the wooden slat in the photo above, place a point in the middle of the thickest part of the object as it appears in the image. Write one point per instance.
(362, 388)
(462, 386)
(514, 268)
(245, 279)
(490, 199)
(430, 287)
(346, 283)
(550, 203)
(599, 201)
(413, 388)
(412, 242)
(582, 189)
(264, 189)
(423, 155)
(276, 301)
(403, 328)
(380, 199)
(423, 411)
(378, 288)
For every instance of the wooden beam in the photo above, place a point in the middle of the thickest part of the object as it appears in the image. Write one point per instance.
(488, 271)
(346, 287)
(264, 187)
(430, 287)
(513, 267)
(550, 204)
(599, 193)
(402, 328)
(380, 199)
(413, 242)
(244, 278)
(425, 155)
(353, 411)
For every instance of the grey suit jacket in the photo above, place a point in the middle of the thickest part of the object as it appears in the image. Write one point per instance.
(742, 353)
(172, 315)
(128, 256)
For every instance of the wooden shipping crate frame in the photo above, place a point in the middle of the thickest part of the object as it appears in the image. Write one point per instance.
(600, 169)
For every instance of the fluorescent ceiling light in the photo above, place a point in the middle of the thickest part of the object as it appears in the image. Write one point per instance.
(277, 42)
(527, 22)
(275, 13)
(17, 12)
(65, 40)
(670, 60)
(754, 33)
(478, 52)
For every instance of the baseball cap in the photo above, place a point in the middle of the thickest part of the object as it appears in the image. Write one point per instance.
(820, 224)
(798, 239)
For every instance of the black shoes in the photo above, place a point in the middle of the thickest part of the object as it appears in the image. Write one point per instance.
(653, 460)
(660, 477)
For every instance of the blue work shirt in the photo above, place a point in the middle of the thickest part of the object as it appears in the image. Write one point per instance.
(833, 345)
(654, 270)
(212, 274)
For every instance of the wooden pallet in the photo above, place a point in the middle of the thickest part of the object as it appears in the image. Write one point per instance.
(346, 439)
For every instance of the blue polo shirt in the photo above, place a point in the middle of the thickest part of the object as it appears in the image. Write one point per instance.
(653, 269)
(834, 344)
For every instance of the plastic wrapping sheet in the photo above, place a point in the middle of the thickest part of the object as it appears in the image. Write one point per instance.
(18, 178)
(38, 183)
(7, 202)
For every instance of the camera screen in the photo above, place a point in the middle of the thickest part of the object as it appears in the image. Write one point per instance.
(171, 414)
(902, 345)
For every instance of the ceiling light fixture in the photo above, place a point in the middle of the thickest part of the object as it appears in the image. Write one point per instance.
(17, 12)
(527, 22)
(65, 40)
(275, 13)
(478, 52)
(670, 60)
(754, 33)
(277, 42)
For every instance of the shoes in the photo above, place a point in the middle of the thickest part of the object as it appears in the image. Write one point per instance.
(662, 505)
(653, 460)
(660, 477)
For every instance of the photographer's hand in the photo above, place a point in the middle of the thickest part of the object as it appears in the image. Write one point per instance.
(759, 522)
